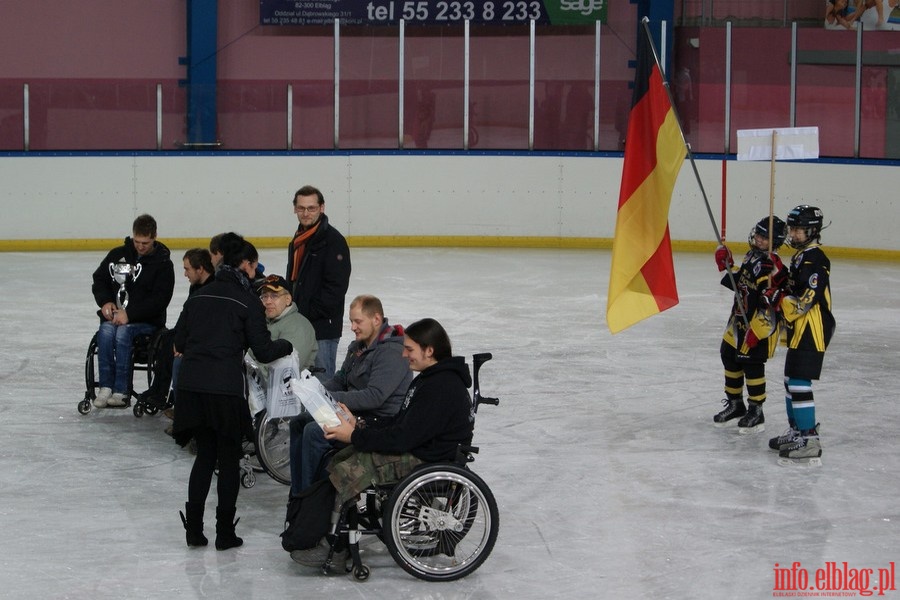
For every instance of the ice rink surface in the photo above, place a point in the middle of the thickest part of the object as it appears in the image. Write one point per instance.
(611, 480)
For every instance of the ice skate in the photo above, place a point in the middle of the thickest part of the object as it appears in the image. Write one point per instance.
(734, 409)
(804, 451)
(754, 420)
(777, 443)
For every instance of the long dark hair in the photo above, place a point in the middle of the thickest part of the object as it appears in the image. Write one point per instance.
(428, 332)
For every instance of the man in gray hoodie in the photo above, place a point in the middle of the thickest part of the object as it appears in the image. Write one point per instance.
(372, 383)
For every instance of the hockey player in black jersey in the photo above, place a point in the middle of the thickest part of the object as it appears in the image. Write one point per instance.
(744, 351)
(804, 303)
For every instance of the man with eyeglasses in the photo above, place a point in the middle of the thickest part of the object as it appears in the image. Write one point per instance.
(285, 321)
(318, 274)
(149, 293)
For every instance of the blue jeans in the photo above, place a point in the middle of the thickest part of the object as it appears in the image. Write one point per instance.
(114, 349)
(308, 446)
(326, 358)
(176, 366)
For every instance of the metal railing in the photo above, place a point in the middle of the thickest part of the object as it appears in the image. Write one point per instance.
(593, 134)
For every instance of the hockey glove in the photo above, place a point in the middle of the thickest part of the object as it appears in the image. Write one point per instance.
(724, 259)
(750, 340)
(772, 297)
(772, 264)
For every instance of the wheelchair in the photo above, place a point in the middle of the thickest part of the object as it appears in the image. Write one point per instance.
(142, 359)
(269, 450)
(439, 523)
(273, 446)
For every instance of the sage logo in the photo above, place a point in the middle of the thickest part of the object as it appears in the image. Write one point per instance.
(584, 7)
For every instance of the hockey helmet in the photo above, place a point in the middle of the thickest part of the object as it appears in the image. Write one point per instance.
(779, 231)
(806, 217)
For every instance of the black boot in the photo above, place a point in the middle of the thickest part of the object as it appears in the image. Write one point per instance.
(193, 524)
(225, 523)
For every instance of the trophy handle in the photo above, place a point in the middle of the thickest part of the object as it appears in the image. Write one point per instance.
(136, 270)
(111, 272)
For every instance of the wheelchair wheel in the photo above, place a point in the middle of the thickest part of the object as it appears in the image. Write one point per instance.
(441, 523)
(273, 446)
(90, 377)
(248, 479)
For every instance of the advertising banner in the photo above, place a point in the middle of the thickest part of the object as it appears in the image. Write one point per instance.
(431, 12)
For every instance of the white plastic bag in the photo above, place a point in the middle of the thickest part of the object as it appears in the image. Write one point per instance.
(316, 400)
(256, 392)
(281, 400)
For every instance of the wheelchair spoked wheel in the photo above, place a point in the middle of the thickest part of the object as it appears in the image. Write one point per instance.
(273, 446)
(441, 523)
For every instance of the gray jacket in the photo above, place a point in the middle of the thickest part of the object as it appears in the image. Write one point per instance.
(373, 380)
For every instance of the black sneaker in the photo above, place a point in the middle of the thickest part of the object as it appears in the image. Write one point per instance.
(734, 409)
(754, 420)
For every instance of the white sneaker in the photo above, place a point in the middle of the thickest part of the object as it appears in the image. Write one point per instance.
(102, 398)
(117, 399)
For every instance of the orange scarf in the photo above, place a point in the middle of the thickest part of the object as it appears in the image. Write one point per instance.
(300, 239)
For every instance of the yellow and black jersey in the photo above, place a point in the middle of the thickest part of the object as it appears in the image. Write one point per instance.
(751, 280)
(806, 308)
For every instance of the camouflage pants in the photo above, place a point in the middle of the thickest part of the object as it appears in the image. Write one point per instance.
(351, 472)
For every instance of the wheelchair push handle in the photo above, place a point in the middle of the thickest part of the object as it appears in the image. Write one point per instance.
(477, 361)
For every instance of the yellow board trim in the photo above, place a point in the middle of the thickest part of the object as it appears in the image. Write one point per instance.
(426, 241)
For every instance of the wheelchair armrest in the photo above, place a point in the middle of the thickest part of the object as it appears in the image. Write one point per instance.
(464, 454)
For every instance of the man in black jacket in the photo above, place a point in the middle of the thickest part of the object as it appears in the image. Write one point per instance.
(318, 270)
(198, 270)
(141, 310)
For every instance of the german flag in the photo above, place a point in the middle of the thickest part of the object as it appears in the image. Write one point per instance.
(642, 274)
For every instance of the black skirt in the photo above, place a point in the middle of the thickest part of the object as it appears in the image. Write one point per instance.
(228, 416)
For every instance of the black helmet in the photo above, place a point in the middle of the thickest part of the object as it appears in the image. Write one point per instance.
(779, 231)
(806, 217)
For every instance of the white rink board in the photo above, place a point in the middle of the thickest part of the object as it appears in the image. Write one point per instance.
(62, 198)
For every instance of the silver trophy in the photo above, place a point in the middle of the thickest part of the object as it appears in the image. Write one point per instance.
(120, 272)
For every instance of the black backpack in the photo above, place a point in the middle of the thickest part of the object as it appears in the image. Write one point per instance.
(308, 516)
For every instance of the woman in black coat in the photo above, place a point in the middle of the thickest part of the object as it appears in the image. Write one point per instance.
(217, 325)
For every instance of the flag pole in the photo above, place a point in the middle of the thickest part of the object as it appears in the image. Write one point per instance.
(772, 201)
(690, 155)
(645, 23)
(772, 188)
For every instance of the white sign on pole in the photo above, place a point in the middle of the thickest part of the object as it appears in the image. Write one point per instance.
(793, 143)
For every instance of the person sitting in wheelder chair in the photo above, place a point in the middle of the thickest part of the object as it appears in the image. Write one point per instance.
(436, 417)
